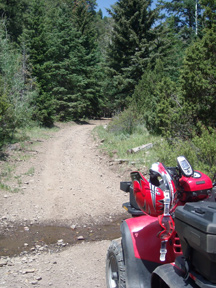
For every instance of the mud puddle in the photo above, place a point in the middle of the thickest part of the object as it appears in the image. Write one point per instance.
(21, 239)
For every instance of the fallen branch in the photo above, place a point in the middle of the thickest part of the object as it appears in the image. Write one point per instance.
(143, 147)
(120, 161)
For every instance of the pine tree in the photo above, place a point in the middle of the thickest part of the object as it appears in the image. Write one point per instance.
(63, 64)
(14, 12)
(104, 31)
(209, 14)
(198, 78)
(145, 98)
(185, 16)
(72, 64)
(85, 21)
(130, 48)
(15, 97)
(35, 35)
(168, 49)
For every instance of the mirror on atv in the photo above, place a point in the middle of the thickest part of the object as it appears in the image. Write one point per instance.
(184, 166)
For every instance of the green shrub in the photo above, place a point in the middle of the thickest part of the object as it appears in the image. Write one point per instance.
(124, 123)
(200, 151)
(169, 150)
(206, 150)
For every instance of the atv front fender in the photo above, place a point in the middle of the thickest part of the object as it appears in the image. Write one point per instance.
(141, 249)
(138, 271)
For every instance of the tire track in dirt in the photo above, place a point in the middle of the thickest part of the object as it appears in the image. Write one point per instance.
(72, 183)
(76, 182)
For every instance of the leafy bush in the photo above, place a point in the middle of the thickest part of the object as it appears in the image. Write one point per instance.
(200, 151)
(169, 150)
(124, 123)
(206, 150)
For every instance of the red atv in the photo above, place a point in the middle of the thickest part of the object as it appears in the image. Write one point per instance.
(170, 240)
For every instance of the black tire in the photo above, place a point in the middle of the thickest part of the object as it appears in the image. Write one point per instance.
(115, 266)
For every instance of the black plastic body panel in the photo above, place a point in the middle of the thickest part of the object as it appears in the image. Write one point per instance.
(172, 276)
(125, 186)
(132, 206)
(196, 226)
(133, 211)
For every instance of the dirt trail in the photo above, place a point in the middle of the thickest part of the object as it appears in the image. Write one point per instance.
(72, 184)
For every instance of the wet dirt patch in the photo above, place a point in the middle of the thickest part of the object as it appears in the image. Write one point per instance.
(21, 239)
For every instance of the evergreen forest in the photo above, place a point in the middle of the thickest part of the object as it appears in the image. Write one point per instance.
(152, 61)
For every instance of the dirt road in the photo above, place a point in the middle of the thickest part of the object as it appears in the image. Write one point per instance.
(66, 181)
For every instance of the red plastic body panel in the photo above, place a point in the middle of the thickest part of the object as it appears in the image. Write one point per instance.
(191, 184)
(146, 243)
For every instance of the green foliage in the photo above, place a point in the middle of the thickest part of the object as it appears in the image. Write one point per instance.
(124, 123)
(182, 13)
(200, 151)
(117, 145)
(209, 13)
(206, 149)
(35, 35)
(104, 32)
(198, 78)
(14, 12)
(72, 70)
(167, 110)
(6, 127)
(15, 98)
(158, 101)
(69, 62)
(168, 150)
(130, 46)
(174, 106)
(60, 57)
(145, 98)
(167, 51)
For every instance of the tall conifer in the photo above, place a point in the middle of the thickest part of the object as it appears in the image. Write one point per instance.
(35, 35)
(14, 11)
(72, 61)
(130, 47)
(198, 78)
